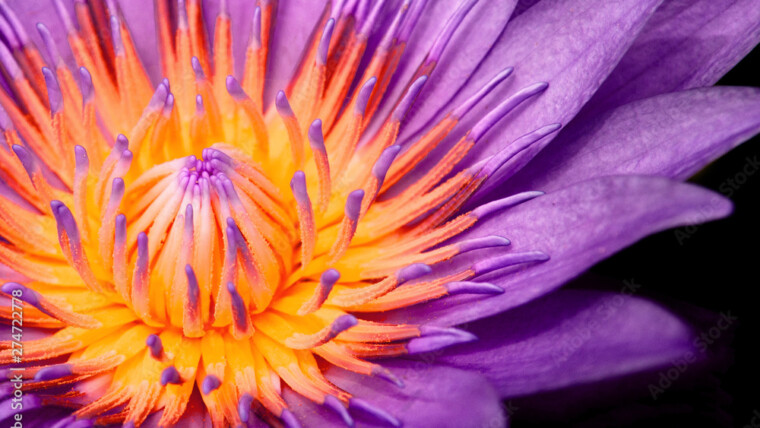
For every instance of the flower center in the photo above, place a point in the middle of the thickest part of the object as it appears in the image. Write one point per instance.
(241, 264)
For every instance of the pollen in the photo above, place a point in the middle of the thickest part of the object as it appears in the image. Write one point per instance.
(193, 240)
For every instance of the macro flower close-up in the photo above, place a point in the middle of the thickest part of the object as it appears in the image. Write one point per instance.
(310, 213)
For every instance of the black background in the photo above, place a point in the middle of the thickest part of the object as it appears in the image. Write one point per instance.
(712, 267)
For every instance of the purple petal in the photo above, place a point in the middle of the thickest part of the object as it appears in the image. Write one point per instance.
(573, 47)
(686, 44)
(671, 135)
(572, 337)
(433, 396)
(576, 226)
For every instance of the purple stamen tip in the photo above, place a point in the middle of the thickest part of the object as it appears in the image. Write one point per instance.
(468, 287)
(496, 263)
(117, 188)
(81, 160)
(118, 45)
(234, 88)
(159, 97)
(256, 28)
(485, 124)
(508, 202)
(85, 85)
(25, 158)
(316, 139)
(128, 424)
(406, 102)
(282, 104)
(329, 278)
(56, 205)
(189, 216)
(210, 383)
(170, 375)
(364, 93)
(165, 81)
(200, 109)
(289, 419)
(55, 97)
(334, 404)
(298, 185)
(27, 294)
(238, 306)
(169, 106)
(412, 272)
(436, 340)
(197, 68)
(386, 375)
(384, 162)
(49, 42)
(489, 166)
(354, 204)
(470, 103)
(154, 344)
(193, 290)
(324, 42)
(342, 323)
(376, 413)
(66, 220)
(126, 156)
(244, 407)
(120, 234)
(120, 144)
(431, 330)
(485, 242)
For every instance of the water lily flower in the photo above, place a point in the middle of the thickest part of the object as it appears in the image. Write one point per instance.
(275, 212)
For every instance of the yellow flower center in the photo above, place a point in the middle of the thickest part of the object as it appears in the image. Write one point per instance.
(193, 239)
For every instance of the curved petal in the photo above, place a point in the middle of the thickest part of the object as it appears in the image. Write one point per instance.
(671, 135)
(572, 47)
(576, 226)
(432, 396)
(573, 337)
(686, 44)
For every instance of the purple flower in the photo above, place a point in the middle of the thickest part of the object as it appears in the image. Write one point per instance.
(318, 213)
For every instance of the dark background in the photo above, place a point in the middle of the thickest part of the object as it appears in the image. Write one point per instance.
(697, 272)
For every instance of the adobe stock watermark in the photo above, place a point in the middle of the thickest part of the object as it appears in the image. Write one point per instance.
(726, 188)
(15, 378)
(755, 421)
(702, 342)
